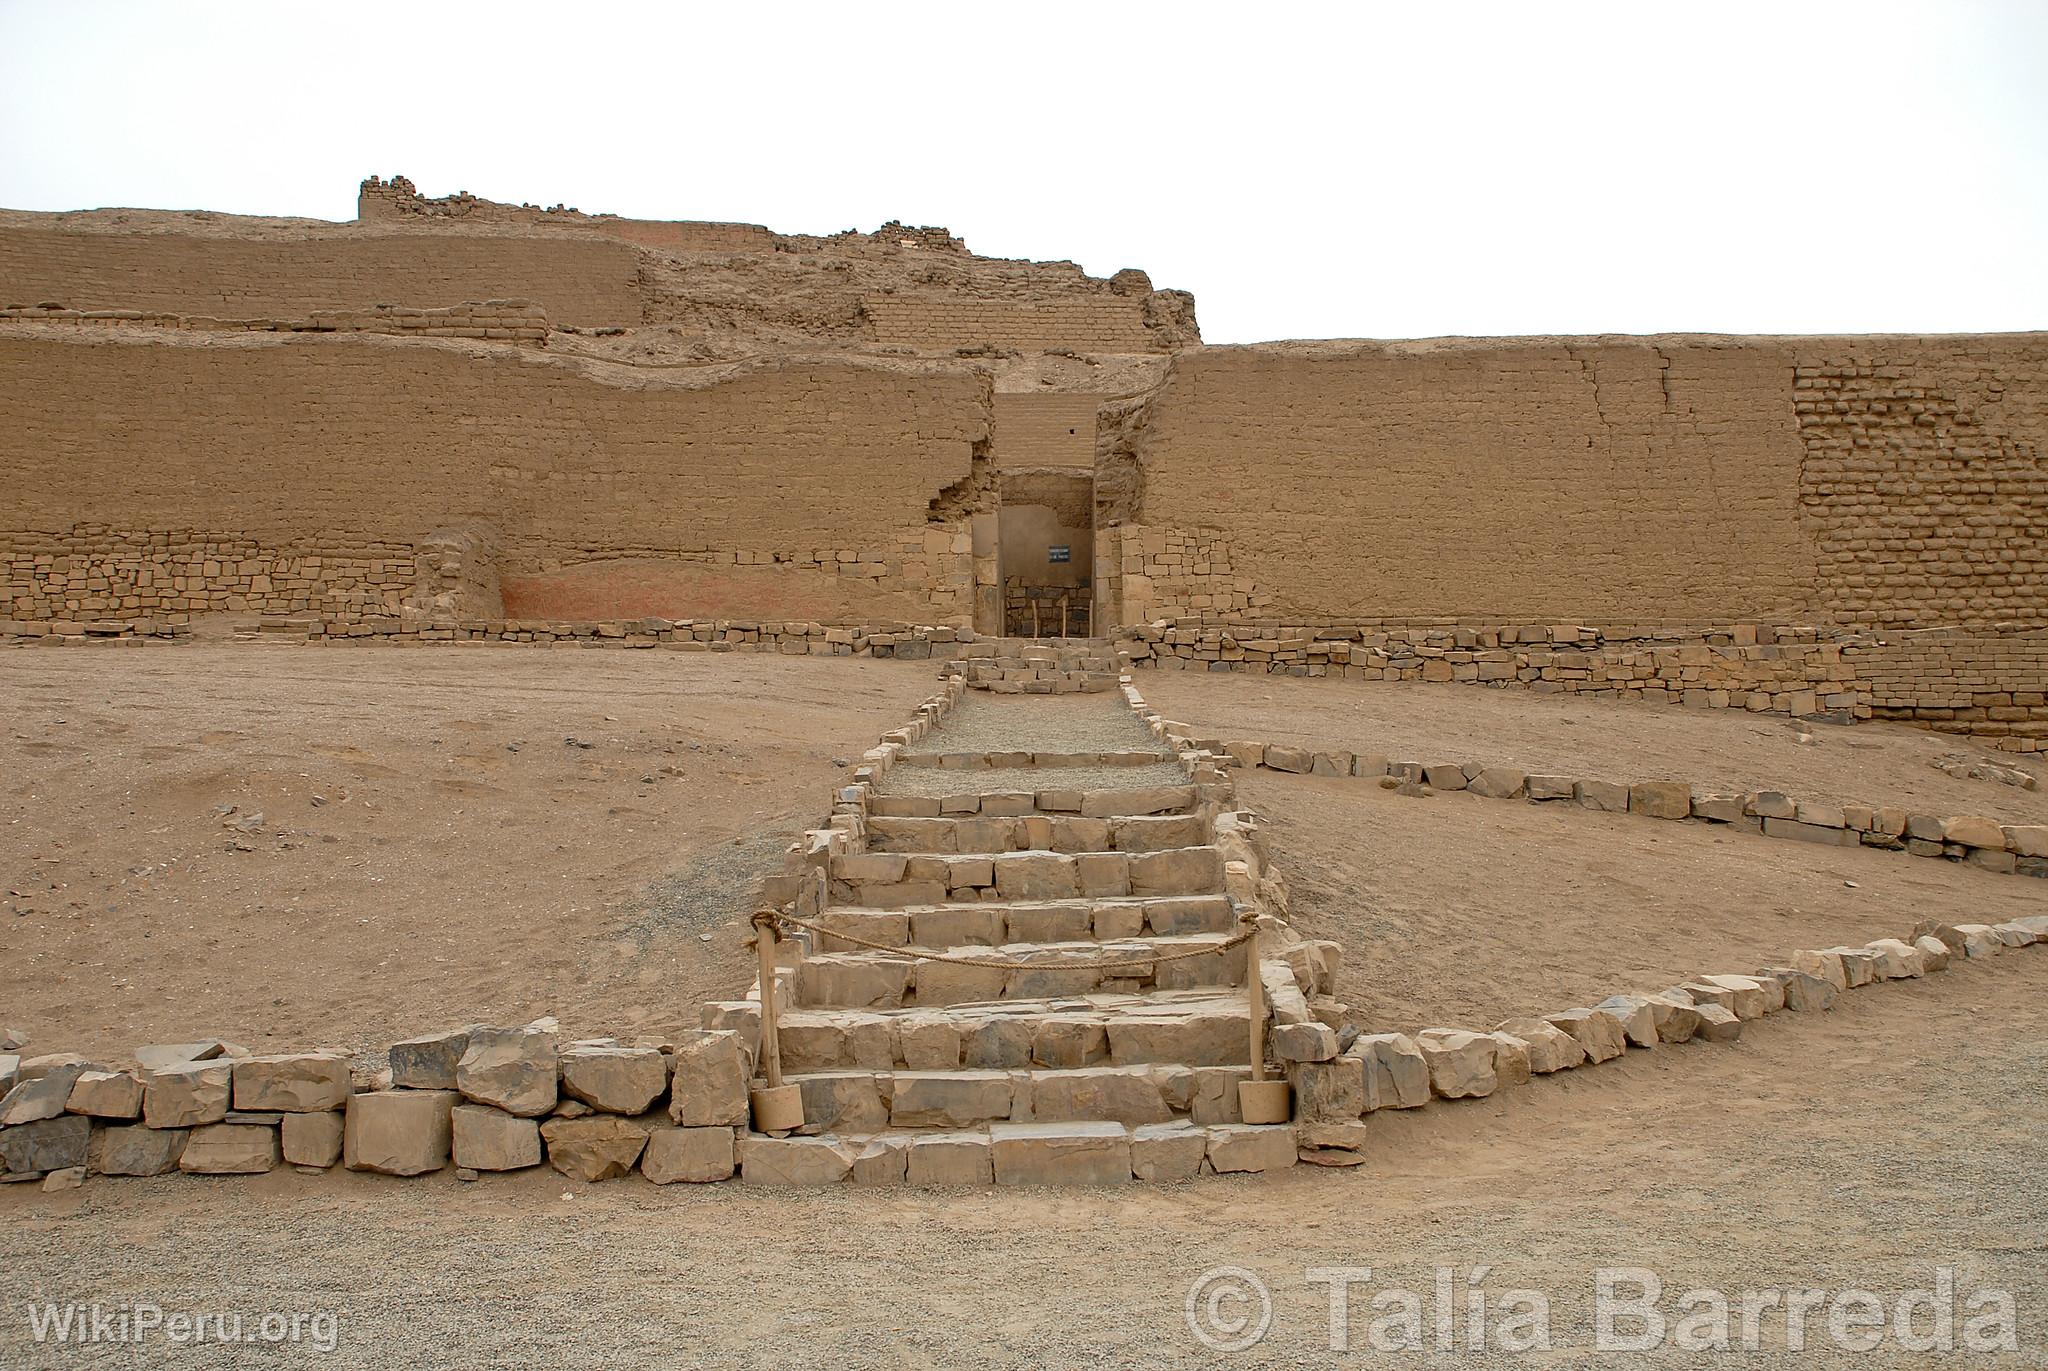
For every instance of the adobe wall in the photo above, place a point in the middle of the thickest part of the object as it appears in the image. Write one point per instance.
(154, 472)
(1868, 481)
(1049, 429)
(582, 280)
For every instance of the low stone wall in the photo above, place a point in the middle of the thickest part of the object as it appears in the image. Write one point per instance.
(679, 635)
(1992, 686)
(2014, 848)
(504, 321)
(1787, 669)
(1335, 1089)
(1034, 666)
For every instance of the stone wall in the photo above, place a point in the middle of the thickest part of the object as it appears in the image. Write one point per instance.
(580, 279)
(507, 321)
(1989, 685)
(398, 201)
(294, 473)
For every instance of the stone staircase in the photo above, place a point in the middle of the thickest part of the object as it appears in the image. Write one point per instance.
(1008, 964)
(1040, 666)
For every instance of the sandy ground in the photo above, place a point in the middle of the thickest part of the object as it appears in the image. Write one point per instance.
(1859, 1149)
(433, 850)
(1863, 1148)
(1460, 911)
(1870, 763)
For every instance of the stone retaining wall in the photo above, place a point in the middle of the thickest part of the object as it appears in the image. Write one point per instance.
(2015, 848)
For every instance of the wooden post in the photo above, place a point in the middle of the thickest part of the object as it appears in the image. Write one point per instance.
(1066, 628)
(1259, 1100)
(779, 1108)
(1034, 616)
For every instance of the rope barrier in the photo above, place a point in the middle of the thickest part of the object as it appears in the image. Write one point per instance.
(913, 954)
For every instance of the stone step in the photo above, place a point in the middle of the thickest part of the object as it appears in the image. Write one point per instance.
(979, 761)
(1200, 1027)
(1036, 832)
(1093, 804)
(883, 880)
(879, 980)
(1036, 1153)
(870, 1101)
(991, 923)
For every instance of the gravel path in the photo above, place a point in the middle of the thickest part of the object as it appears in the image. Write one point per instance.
(936, 780)
(1860, 1148)
(1040, 723)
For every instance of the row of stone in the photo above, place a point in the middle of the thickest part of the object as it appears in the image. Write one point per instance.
(1334, 1090)
(1985, 842)
(1089, 804)
(887, 879)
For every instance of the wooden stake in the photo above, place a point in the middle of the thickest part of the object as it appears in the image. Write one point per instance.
(1255, 993)
(765, 938)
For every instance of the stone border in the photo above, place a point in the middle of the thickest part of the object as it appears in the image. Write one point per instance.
(2020, 849)
(791, 638)
(1335, 1090)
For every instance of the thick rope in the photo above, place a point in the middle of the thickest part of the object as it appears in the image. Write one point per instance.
(913, 954)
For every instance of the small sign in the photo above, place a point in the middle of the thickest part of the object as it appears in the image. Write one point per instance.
(1059, 552)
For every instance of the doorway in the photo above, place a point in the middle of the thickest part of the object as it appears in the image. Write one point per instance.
(1046, 541)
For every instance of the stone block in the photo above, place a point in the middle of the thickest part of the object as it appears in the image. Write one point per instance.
(1302, 1042)
(598, 1147)
(230, 1149)
(794, 1161)
(708, 1088)
(1541, 788)
(428, 1062)
(694, 1155)
(1279, 757)
(294, 1083)
(106, 1095)
(1396, 1072)
(1460, 1063)
(882, 1160)
(1177, 871)
(312, 1139)
(398, 1132)
(1332, 1089)
(1167, 1151)
(513, 1069)
(42, 1145)
(487, 1139)
(1638, 1023)
(1036, 876)
(1718, 1025)
(617, 1080)
(953, 1100)
(1251, 1147)
(188, 1095)
(949, 1158)
(1598, 1031)
(138, 1151)
(1499, 783)
(1660, 799)
(1606, 796)
(1550, 1048)
(1973, 831)
(843, 1102)
(1076, 1152)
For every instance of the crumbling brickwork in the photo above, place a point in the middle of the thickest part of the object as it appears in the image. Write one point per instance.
(1050, 429)
(1923, 478)
(1956, 681)
(1103, 323)
(508, 321)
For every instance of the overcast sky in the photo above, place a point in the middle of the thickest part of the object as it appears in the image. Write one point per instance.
(1357, 170)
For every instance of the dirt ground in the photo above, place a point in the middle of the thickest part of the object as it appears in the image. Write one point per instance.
(1870, 763)
(464, 861)
(1861, 1149)
(434, 850)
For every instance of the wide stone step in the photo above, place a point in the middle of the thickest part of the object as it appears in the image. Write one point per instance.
(1018, 1153)
(1037, 832)
(979, 761)
(869, 1101)
(991, 923)
(1201, 1027)
(1094, 804)
(880, 980)
(886, 880)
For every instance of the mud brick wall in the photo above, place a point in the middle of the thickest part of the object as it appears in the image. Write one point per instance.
(1924, 481)
(1533, 478)
(1045, 431)
(1989, 685)
(582, 279)
(1096, 323)
(511, 321)
(333, 456)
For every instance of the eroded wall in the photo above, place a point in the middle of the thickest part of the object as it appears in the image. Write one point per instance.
(1870, 480)
(173, 473)
(579, 279)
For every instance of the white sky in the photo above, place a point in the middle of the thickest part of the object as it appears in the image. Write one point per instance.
(1357, 170)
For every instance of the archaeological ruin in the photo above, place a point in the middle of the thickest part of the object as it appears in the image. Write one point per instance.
(1060, 950)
